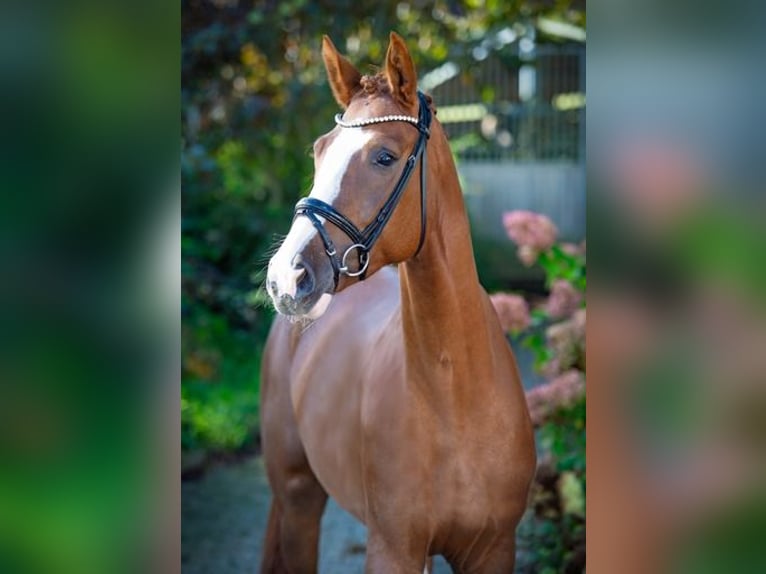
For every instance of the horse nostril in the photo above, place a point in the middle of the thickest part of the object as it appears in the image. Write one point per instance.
(304, 281)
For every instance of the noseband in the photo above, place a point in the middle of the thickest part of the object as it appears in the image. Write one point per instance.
(362, 241)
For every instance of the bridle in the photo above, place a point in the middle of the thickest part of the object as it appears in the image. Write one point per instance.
(363, 241)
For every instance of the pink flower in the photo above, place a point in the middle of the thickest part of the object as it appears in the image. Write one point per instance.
(552, 368)
(563, 300)
(567, 341)
(578, 323)
(512, 310)
(527, 255)
(562, 392)
(530, 229)
(574, 249)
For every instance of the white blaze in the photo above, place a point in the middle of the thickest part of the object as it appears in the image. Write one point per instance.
(337, 157)
(327, 181)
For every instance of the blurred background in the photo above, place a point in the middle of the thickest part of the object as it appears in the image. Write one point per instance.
(90, 338)
(508, 80)
(676, 394)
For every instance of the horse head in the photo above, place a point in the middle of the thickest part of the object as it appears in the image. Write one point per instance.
(364, 210)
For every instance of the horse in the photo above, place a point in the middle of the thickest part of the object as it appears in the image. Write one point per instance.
(387, 381)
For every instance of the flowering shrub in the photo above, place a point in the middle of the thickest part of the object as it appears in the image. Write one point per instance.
(555, 332)
(533, 233)
(564, 299)
(564, 346)
(512, 310)
(561, 393)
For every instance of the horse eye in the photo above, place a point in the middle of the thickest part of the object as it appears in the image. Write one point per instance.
(385, 159)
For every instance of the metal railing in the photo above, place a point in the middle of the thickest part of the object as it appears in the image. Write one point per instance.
(521, 103)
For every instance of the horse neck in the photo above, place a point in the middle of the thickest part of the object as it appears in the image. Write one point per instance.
(443, 307)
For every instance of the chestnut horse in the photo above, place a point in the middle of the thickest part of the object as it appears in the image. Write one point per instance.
(397, 395)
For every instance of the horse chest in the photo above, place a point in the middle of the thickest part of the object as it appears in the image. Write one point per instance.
(428, 445)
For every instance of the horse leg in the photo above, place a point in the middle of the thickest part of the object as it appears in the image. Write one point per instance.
(383, 558)
(304, 505)
(292, 538)
(291, 545)
(501, 559)
(272, 561)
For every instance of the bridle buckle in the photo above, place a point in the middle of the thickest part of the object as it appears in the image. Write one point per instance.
(364, 258)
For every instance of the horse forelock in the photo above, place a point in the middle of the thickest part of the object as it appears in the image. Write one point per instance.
(377, 85)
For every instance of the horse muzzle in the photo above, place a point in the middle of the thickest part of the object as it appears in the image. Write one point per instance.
(291, 287)
(298, 288)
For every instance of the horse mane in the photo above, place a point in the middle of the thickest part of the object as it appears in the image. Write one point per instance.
(377, 84)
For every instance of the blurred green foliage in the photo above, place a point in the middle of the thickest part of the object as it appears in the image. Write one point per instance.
(554, 531)
(254, 97)
(219, 395)
(563, 436)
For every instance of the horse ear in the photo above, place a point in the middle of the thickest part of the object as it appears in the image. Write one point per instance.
(400, 72)
(342, 75)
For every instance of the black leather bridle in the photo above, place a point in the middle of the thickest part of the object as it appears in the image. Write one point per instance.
(362, 241)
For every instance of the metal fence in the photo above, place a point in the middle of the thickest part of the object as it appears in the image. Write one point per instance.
(524, 103)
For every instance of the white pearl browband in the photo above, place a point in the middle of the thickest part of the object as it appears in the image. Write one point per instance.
(378, 120)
